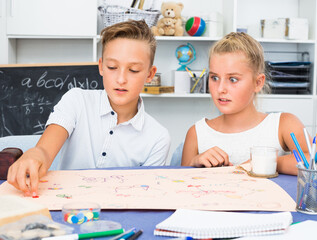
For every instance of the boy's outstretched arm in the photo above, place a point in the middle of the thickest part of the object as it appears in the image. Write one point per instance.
(290, 123)
(25, 173)
(213, 157)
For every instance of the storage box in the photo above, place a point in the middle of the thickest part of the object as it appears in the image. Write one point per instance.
(297, 28)
(273, 28)
(285, 28)
(214, 25)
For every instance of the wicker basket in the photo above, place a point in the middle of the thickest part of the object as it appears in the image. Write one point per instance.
(112, 14)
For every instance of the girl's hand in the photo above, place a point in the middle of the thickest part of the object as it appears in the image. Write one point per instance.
(213, 157)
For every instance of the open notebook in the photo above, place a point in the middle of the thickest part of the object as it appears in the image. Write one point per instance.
(205, 224)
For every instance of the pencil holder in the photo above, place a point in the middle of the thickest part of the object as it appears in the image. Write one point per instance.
(306, 201)
(198, 85)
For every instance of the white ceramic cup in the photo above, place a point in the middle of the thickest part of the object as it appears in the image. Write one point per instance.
(263, 160)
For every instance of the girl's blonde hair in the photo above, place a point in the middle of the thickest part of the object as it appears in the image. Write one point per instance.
(242, 42)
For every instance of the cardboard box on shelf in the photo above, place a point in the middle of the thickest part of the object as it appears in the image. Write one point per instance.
(214, 25)
(285, 28)
(273, 28)
(297, 28)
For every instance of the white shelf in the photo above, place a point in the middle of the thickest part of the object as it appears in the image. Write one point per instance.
(48, 37)
(185, 38)
(265, 40)
(285, 96)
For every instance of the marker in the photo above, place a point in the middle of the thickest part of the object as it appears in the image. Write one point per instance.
(306, 190)
(307, 141)
(202, 73)
(121, 235)
(127, 235)
(312, 155)
(300, 150)
(299, 161)
(86, 235)
(136, 235)
(189, 72)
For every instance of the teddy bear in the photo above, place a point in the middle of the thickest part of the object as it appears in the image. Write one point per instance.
(171, 12)
(167, 28)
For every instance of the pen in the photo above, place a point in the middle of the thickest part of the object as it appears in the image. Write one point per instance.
(299, 161)
(314, 158)
(141, 3)
(127, 235)
(306, 191)
(300, 150)
(121, 235)
(133, 3)
(189, 72)
(136, 235)
(307, 140)
(312, 155)
(86, 235)
(202, 73)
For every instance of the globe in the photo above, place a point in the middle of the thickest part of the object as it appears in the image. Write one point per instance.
(185, 55)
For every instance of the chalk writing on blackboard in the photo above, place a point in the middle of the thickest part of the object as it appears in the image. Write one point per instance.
(28, 93)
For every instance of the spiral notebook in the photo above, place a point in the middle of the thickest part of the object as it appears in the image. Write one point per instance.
(206, 224)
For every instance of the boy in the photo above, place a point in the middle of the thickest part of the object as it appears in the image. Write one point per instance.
(102, 128)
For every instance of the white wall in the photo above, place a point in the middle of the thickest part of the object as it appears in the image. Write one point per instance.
(179, 114)
(3, 42)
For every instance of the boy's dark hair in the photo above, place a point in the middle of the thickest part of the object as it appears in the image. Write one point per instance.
(131, 29)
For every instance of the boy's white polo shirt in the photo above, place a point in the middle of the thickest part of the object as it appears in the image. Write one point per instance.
(96, 141)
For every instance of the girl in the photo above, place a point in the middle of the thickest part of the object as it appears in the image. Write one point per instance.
(236, 75)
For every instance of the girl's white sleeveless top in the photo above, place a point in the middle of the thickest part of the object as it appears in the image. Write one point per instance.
(237, 145)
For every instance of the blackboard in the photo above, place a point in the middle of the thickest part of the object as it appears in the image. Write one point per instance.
(28, 93)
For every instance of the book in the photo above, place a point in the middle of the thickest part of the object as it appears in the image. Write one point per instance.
(13, 208)
(206, 224)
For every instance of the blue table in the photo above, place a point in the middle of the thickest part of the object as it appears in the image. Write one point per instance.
(147, 219)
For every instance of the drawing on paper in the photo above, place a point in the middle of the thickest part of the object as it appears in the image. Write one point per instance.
(223, 188)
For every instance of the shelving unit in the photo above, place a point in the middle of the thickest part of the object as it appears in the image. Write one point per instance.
(46, 41)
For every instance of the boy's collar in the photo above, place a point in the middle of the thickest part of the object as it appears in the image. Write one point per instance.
(137, 121)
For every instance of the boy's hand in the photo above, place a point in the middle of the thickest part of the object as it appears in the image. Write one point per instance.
(213, 157)
(25, 173)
